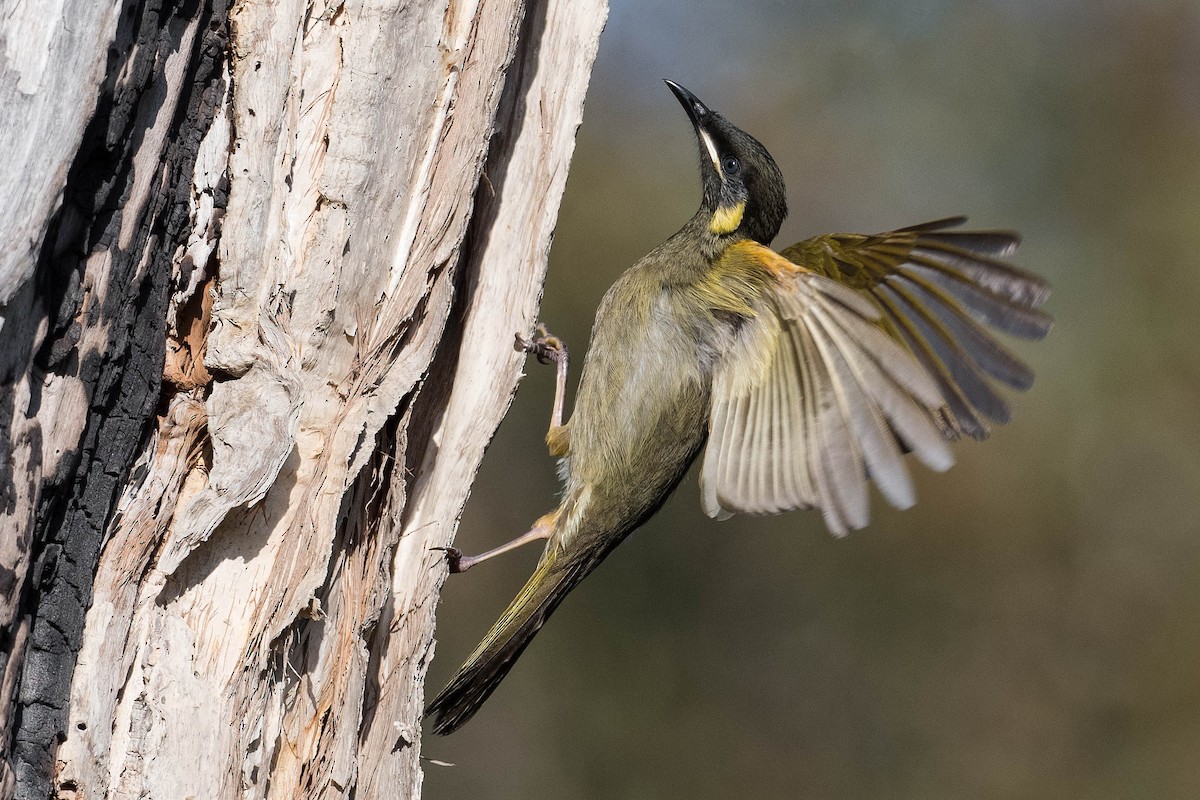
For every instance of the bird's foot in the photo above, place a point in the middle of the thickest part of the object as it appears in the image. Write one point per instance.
(455, 559)
(543, 344)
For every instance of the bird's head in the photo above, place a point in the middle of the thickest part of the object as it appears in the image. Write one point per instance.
(744, 193)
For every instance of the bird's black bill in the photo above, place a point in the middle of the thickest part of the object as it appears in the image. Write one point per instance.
(695, 109)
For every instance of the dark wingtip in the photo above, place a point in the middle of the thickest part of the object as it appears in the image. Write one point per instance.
(935, 225)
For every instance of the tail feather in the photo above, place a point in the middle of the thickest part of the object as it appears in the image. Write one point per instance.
(494, 657)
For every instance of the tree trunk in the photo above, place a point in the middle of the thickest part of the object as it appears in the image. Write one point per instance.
(260, 273)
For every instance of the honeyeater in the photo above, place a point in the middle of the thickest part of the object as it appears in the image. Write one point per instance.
(800, 373)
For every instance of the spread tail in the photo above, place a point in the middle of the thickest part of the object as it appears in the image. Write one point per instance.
(503, 644)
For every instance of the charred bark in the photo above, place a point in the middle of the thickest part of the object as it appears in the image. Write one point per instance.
(287, 256)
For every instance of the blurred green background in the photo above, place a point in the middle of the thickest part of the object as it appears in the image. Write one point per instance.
(1032, 628)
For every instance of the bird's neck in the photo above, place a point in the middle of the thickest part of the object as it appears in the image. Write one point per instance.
(711, 232)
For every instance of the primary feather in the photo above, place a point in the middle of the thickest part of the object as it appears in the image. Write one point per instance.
(937, 291)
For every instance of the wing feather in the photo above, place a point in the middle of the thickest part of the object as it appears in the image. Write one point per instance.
(838, 452)
(823, 491)
(984, 304)
(935, 225)
(861, 349)
(880, 452)
(835, 399)
(937, 293)
(962, 368)
(995, 359)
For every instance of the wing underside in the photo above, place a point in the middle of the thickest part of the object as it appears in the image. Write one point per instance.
(870, 347)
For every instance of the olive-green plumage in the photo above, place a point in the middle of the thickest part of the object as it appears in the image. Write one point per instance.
(806, 371)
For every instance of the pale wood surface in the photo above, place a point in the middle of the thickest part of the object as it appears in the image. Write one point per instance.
(51, 63)
(52, 58)
(81, 349)
(264, 603)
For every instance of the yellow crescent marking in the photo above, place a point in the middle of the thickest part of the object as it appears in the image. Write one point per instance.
(726, 219)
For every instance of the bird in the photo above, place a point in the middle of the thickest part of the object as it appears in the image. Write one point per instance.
(802, 374)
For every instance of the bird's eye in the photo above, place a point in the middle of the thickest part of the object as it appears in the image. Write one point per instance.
(731, 165)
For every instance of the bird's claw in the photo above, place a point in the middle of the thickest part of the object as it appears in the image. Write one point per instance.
(543, 344)
(454, 559)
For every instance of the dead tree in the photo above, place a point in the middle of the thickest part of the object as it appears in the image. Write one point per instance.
(262, 266)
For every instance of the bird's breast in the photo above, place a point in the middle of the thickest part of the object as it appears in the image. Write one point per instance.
(641, 412)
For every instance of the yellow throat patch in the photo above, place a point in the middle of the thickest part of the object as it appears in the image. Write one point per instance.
(726, 219)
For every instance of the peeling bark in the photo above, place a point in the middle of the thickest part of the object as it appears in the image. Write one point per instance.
(267, 337)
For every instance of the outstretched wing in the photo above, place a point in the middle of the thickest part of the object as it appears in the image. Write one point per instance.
(937, 291)
(863, 347)
(810, 399)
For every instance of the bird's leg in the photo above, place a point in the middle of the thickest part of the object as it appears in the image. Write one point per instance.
(548, 347)
(460, 563)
